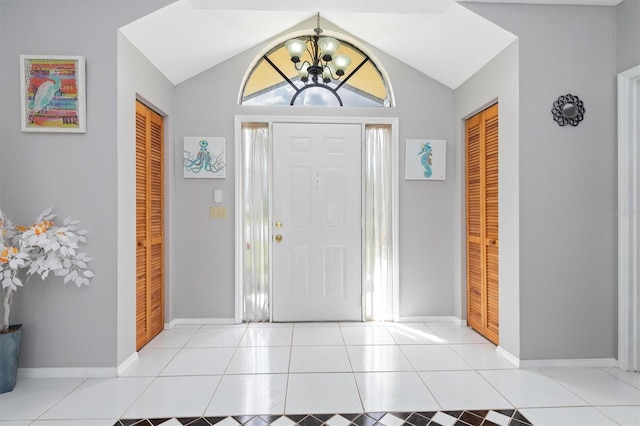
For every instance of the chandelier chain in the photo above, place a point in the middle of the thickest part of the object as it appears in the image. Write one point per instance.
(318, 30)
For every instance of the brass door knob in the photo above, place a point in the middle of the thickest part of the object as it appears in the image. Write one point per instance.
(278, 238)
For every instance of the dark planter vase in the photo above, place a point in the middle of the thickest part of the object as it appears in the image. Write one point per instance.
(9, 352)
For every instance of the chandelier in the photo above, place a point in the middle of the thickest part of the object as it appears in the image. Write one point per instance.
(324, 63)
(316, 63)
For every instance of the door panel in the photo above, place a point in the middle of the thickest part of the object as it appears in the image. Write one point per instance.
(482, 222)
(299, 187)
(474, 228)
(141, 226)
(317, 199)
(149, 225)
(335, 271)
(491, 222)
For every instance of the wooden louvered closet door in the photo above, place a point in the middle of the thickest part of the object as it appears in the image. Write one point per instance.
(482, 222)
(149, 225)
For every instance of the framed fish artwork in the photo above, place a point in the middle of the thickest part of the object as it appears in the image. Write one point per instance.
(426, 159)
(204, 157)
(52, 93)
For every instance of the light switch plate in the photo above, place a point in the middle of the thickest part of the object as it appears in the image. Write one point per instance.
(218, 213)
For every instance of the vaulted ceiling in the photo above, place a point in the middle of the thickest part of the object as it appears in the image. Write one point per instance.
(440, 38)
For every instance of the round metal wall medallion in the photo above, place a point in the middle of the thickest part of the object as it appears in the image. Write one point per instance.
(568, 109)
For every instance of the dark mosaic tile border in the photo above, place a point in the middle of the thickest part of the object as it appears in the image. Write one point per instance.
(422, 418)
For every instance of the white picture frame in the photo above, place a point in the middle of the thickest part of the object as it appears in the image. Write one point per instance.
(204, 157)
(52, 94)
(426, 159)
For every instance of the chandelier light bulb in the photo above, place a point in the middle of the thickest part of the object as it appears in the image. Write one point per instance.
(296, 49)
(328, 47)
(326, 75)
(341, 63)
(303, 73)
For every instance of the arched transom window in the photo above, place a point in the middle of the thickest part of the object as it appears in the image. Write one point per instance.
(282, 78)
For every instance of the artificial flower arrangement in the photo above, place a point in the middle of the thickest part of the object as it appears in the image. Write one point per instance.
(40, 249)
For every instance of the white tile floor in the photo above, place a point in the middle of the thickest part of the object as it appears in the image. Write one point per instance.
(326, 368)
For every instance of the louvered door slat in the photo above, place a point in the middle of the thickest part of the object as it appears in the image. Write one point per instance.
(473, 179)
(474, 228)
(482, 223)
(492, 322)
(156, 219)
(475, 316)
(141, 227)
(149, 225)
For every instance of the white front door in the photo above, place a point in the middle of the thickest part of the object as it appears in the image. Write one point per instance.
(316, 252)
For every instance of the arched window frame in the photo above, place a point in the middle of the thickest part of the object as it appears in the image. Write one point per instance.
(350, 41)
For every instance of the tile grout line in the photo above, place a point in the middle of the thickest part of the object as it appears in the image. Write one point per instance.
(604, 414)
(563, 386)
(224, 372)
(353, 374)
(344, 345)
(605, 370)
(39, 417)
(286, 390)
(158, 375)
(177, 352)
(425, 383)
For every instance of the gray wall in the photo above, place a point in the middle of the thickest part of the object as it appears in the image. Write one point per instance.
(567, 179)
(496, 81)
(75, 173)
(138, 79)
(205, 106)
(628, 39)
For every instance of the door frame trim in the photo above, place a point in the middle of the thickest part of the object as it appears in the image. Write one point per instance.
(628, 218)
(270, 119)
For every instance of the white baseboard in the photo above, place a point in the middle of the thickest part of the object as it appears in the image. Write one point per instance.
(507, 356)
(435, 319)
(199, 321)
(569, 363)
(127, 363)
(67, 373)
(461, 323)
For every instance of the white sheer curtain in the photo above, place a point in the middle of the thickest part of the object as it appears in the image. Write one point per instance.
(255, 211)
(378, 240)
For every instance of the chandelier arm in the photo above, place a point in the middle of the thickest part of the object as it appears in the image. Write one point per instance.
(365, 60)
(280, 72)
(334, 76)
(310, 53)
(302, 65)
(323, 86)
(315, 54)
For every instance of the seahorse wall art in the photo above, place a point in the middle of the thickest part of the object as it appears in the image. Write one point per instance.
(204, 157)
(426, 153)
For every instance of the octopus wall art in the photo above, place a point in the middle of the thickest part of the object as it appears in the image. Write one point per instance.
(204, 157)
